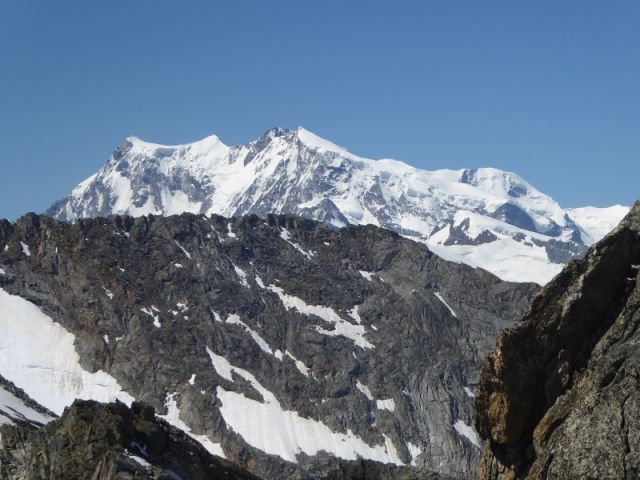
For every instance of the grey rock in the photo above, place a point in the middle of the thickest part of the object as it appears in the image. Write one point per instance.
(108, 442)
(510, 213)
(424, 352)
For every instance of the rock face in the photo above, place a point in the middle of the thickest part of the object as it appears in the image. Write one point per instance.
(281, 343)
(368, 470)
(560, 394)
(483, 217)
(108, 442)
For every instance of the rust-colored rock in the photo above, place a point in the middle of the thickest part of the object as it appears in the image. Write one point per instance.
(558, 397)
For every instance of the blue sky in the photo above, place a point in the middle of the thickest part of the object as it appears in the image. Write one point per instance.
(547, 89)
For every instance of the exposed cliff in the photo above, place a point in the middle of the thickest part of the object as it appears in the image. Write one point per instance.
(560, 395)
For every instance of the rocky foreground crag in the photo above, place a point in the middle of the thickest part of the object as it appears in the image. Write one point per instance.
(283, 344)
(560, 395)
(108, 442)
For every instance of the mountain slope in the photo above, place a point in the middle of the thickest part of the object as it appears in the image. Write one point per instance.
(559, 396)
(484, 217)
(281, 343)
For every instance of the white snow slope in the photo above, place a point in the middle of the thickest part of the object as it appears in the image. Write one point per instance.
(38, 355)
(484, 217)
(266, 425)
(14, 409)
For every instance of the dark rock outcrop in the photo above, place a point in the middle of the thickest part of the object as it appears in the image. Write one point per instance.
(560, 395)
(108, 442)
(368, 470)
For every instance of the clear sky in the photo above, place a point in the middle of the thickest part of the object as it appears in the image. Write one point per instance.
(547, 89)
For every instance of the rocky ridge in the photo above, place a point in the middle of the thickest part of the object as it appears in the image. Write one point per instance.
(559, 396)
(109, 442)
(254, 335)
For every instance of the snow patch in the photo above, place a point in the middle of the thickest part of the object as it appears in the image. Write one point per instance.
(216, 317)
(173, 417)
(302, 368)
(365, 390)
(414, 451)
(341, 327)
(441, 298)
(12, 407)
(139, 460)
(38, 355)
(25, 249)
(286, 236)
(467, 431)
(152, 313)
(182, 307)
(387, 404)
(183, 249)
(353, 313)
(367, 275)
(234, 319)
(242, 276)
(221, 365)
(268, 427)
(469, 392)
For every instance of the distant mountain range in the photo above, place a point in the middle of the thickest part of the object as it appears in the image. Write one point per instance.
(483, 217)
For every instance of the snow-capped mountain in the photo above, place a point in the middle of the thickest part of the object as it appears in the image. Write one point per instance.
(483, 217)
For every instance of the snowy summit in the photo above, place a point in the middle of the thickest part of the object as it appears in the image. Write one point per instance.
(484, 217)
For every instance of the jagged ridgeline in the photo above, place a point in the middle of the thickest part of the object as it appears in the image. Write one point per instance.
(560, 395)
(283, 344)
(109, 442)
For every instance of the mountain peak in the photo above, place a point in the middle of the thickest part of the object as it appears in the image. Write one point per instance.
(316, 142)
(276, 132)
(206, 142)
